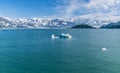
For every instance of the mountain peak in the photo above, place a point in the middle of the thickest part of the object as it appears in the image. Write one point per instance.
(36, 22)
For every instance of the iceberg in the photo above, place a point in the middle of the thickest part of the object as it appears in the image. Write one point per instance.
(104, 49)
(54, 37)
(68, 36)
(65, 36)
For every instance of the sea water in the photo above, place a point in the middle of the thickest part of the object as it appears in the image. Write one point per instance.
(33, 51)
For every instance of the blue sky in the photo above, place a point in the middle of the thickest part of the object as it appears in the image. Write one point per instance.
(31, 8)
(27, 8)
(57, 8)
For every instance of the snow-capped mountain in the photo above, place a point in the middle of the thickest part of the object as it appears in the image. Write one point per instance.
(91, 20)
(96, 20)
(34, 23)
(112, 26)
(5, 22)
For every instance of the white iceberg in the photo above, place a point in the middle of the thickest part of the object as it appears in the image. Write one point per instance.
(104, 49)
(65, 36)
(54, 37)
(68, 36)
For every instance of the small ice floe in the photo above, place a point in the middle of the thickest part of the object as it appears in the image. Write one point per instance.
(67, 36)
(54, 37)
(104, 49)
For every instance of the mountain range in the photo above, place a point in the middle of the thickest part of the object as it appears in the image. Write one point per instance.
(75, 22)
(34, 23)
(112, 26)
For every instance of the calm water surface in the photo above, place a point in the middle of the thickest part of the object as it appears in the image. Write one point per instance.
(33, 51)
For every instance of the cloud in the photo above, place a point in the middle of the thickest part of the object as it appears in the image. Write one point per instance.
(73, 8)
(108, 10)
(104, 6)
(100, 4)
(69, 8)
(74, 5)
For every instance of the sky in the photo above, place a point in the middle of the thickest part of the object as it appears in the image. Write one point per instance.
(58, 8)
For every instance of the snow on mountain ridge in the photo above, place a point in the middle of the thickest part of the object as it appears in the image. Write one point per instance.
(34, 23)
(96, 20)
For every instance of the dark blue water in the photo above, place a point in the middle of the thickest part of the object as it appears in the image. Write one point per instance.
(33, 51)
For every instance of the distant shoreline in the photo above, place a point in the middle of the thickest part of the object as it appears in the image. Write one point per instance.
(58, 28)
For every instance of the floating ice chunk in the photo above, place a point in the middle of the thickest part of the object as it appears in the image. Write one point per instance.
(68, 36)
(104, 49)
(53, 36)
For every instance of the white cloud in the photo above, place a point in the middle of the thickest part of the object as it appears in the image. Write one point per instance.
(70, 7)
(81, 7)
(105, 10)
(98, 12)
(101, 4)
(73, 6)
